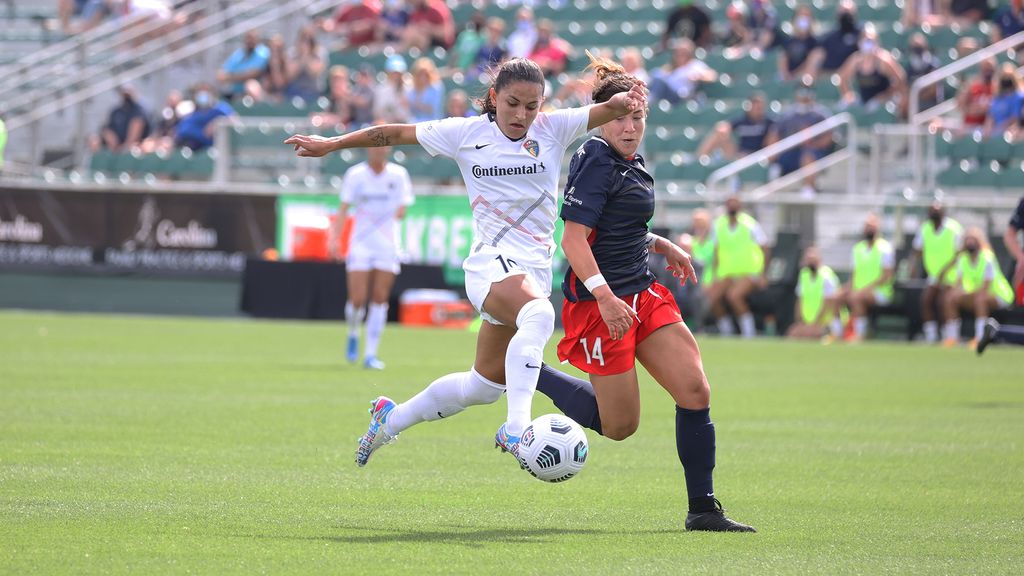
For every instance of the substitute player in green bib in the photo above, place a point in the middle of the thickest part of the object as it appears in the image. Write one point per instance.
(817, 286)
(936, 243)
(741, 250)
(871, 282)
(980, 288)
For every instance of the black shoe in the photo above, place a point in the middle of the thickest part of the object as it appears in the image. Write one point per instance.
(987, 336)
(715, 521)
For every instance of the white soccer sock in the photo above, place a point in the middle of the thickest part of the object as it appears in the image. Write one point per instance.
(951, 330)
(979, 328)
(747, 327)
(375, 322)
(931, 331)
(725, 326)
(860, 326)
(354, 318)
(448, 395)
(535, 323)
(837, 327)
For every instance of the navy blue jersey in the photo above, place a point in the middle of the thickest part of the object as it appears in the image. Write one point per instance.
(615, 198)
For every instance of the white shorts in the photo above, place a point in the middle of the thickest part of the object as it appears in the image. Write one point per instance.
(487, 265)
(365, 258)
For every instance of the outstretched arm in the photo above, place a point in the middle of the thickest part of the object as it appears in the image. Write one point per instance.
(312, 145)
(618, 105)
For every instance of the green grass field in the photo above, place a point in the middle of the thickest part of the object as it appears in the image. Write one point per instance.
(151, 445)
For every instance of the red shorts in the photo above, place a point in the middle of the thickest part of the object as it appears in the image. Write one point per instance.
(587, 344)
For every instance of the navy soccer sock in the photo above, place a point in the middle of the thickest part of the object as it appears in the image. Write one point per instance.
(695, 442)
(1010, 334)
(573, 396)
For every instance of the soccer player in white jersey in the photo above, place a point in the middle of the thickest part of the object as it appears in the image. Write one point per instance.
(378, 193)
(510, 158)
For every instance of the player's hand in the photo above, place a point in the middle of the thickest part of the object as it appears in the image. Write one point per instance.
(617, 315)
(761, 282)
(635, 99)
(310, 145)
(681, 265)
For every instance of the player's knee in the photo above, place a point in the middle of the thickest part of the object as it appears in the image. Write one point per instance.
(620, 430)
(537, 315)
(478, 390)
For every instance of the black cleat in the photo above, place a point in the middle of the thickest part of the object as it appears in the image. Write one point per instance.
(715, 521)
(987, 336)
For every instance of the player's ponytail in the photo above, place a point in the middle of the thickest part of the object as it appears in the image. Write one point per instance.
(511, 70)
(610, 78)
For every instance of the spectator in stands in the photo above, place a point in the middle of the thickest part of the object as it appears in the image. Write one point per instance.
(457, 105)
(839, 44)
(936, 243)
(752, 130)
(737, 39)
(196, 130)
(493, 49)
(763, 22)
(741, 250)
(272, 84)
(689, 296)
(356, 23)
(246, 63)
(550, 52)
(90, 12)
(1009, 21)
(921, 61)
(918, 12)
(362, 98)
(165, 123)
(980, 288)
(306, 67)
(522, 40)
(127, 125)
(969, 11)
(870, 283)
(394, 18)
(816, 288)
(701, 247)
(879, 77)
(390, 103)
(578, 91)
(687, 21)
(426, 95)
(803, 114)
(633, 64)
(469, 41)
(975, 96)
(794, 61)
(430, 25)
(1007, 100)
(682, 76)
(340, 111)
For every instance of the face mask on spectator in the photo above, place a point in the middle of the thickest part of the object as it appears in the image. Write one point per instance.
(203, 99)
(846, 22)
(972, 249)
(1006, 83)
(869, 234)
(935, 217)
(867, 46)
(813, 267)
(733, 211)
(803, 23)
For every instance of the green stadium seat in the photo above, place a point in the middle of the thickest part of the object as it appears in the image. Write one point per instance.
(965, 147)
(101, 161)
(997, 149)
(1011, 177)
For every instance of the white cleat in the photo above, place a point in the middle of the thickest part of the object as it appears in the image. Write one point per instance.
(376, 435)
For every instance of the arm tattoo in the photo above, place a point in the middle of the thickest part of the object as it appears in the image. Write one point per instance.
(378, 138)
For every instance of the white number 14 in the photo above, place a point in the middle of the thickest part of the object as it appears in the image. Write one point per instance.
(594, 353)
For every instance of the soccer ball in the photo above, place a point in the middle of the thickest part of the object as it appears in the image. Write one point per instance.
(553, 448)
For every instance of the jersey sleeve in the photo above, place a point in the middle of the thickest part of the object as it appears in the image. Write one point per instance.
(1017, 220)
(441, 137)
(919, 239)
(830, 286)
(407, 198)
(348, 188)
(757, 233)
(888, 258)
(587, 189)
(570, 124)
(990, 270)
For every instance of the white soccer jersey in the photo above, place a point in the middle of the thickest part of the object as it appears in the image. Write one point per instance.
(512, 184)
(374, 200)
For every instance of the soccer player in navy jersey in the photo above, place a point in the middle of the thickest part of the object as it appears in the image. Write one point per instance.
(994, 332)
(616, 313)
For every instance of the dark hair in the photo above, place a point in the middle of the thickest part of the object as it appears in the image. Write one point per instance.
(610, 78)
(511, 70)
